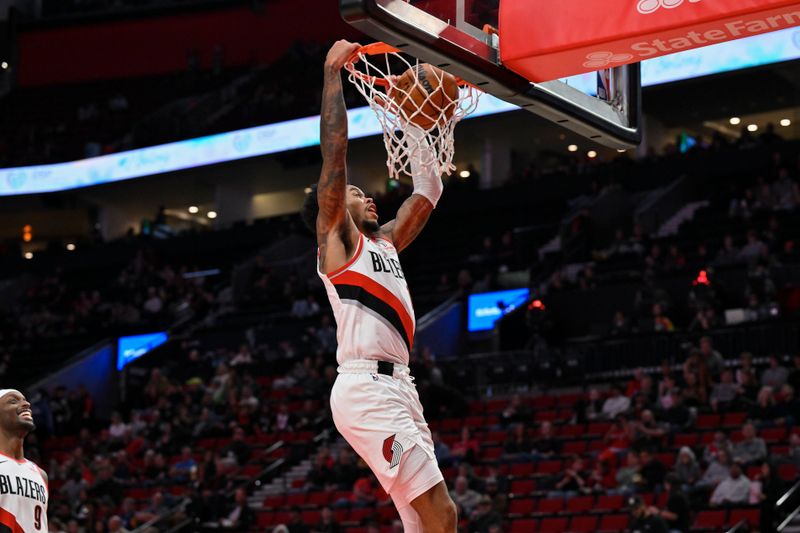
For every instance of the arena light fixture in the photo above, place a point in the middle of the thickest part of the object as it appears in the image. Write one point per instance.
(735, 121)
(71, 247)
(620, 150)
(786, 122)
(572, 147)
(28, 255)
(752, 128)
(591, 154)
(307, 190)
(193, 209)
(4, 65)
(464, 173)
(211, 214)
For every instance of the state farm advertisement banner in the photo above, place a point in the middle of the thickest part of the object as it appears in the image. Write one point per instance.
(549, 39)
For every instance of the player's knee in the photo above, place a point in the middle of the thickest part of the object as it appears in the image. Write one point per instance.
(447, 515)
(450, 516)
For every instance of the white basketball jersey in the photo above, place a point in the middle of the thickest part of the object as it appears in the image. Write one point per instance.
(23, 497)
(371, 304)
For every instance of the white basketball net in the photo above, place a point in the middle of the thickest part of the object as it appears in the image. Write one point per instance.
(374, 72)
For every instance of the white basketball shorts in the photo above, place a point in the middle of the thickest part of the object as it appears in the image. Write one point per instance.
(381, 418)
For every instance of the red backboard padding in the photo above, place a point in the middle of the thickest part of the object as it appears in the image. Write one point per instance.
(546, 40)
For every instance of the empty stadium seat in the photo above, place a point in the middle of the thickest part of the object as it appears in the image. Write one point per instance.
(580, 504)
(709, 520)
(751, 516)
(523, 487)
(608, 503)
(583, 524)
(522, 469)
(708, 421)
(613, 523)
(550, 506)
(521, 506)
(553, 525)
(524, 526)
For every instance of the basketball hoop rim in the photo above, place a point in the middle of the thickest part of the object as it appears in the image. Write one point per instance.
(378, 48)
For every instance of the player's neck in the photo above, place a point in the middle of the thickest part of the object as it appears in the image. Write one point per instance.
(12, 445)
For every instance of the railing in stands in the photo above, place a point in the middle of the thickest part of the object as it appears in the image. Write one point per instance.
(181, 506)
(791, 502)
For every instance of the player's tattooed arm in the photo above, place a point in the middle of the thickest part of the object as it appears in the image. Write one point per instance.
(411, 218)
(333, 142)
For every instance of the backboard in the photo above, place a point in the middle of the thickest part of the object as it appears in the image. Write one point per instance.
(449, 34)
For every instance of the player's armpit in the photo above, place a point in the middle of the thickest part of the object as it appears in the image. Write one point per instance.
(411, 218)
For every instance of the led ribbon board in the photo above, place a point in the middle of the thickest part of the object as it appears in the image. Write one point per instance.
(302, 133)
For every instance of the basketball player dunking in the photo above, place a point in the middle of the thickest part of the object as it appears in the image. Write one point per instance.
(374, 402)
(23, 485)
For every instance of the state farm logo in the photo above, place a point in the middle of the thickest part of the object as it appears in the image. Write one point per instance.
(646, 7)
(597, 60)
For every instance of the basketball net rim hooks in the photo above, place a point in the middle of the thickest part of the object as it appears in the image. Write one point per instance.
(410, 148)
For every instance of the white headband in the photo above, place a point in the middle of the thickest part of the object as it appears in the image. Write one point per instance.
(3, 392)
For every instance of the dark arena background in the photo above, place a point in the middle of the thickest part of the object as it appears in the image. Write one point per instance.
(604, 337)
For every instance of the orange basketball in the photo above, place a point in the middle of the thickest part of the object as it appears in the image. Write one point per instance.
(427, 95)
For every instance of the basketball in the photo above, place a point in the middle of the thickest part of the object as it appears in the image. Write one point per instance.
(427, 95)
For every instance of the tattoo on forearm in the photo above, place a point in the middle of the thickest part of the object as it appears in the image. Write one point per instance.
(333, 143)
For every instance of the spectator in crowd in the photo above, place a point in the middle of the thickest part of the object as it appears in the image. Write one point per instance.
(712, 359)
(518, 445)
(629, 476)
(772, 488)
(661, 322)
(687, 471)
(115, 525)
(644, 517)
(751, 448)
(186, 467)
(647, 432)
(515, 412)
(295, 523)
(794, 374)
(653, 471)
(602, 478)
(484, 516)
(724, 394)
(546, 444)
(441, 450)
(327, 523)
(345, 471)
(574, 479)
(677, 513)
(620, 325)
(363, 492)
(466, 448)
(241, 516)
(464, 497)
(719, 443)
(787, 407)
(776, 375)
(794, 449)
(733, 490)
(694, 392)
(615, 404)
(591, 408)
(717, 470)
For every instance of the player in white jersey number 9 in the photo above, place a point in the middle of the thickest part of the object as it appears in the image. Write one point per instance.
(23, 485)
